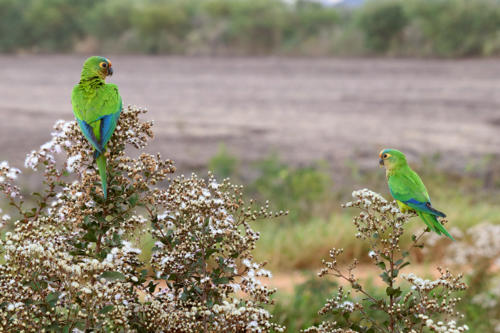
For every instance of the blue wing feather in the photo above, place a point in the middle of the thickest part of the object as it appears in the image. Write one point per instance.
(423, 207)
(89, 134)
(107, 127)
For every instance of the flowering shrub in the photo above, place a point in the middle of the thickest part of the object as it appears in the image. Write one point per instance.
(479, 249)
(70, 261)
(410, 303)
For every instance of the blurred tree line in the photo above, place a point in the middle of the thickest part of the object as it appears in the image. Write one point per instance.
(444, 28)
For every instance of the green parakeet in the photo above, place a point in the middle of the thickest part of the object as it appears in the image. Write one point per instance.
(97, 106)
(409, 190)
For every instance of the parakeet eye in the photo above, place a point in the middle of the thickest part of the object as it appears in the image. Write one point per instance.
(103, 65)
(385, 156)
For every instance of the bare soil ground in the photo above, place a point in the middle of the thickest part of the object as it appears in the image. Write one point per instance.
(287, 281)
(307, 109)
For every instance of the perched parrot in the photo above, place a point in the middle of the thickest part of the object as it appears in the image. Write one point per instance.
(409, 190)
(97, 106)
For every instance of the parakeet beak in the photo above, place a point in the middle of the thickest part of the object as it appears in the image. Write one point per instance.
(110, 71)
(381, 162)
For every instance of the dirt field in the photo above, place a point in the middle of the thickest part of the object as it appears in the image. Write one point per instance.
(307, 109)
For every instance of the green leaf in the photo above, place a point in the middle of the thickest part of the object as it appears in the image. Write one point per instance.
(90, 236)
(116, 238)
(106, 309)
(393, 291)
(209, 252)
(198, 289)
(133, 199)
(404, 264)
(381, 264)
(210, 303)
(384, 256)
(385, 277)
(112, 275)
(52, 298)
(222, 280)
(152, 286)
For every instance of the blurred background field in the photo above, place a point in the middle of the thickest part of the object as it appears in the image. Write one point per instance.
(293, 99)
(444, 28)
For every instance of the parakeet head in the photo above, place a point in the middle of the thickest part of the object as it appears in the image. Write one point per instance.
(97, 66)
(392, 158)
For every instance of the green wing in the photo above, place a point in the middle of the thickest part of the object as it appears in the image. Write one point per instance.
(91, 107)
(97, 113)
(406, 185)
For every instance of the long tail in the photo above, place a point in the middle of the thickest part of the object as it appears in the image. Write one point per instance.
(101, 165)
(433, 224)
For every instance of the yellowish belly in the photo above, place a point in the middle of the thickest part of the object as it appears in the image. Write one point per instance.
(404, 208)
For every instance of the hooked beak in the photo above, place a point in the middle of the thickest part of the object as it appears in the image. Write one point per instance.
(381, 162)
(110, 71)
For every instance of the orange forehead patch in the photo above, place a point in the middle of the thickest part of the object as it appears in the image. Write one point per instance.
(382, 153)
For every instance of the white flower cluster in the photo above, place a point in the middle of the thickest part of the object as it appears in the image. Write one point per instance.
(377, 217)
(425, 285)
(478, 242)
(490, 299)
(60, 140)
(479, 250)
(435, 296)
(71, 262)
(426, 304)
(41, 250)
(340, 303)
(7, 172)
(206, 222)
(367, 198)
(440, 326)
(7, 175)
(328, 327)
